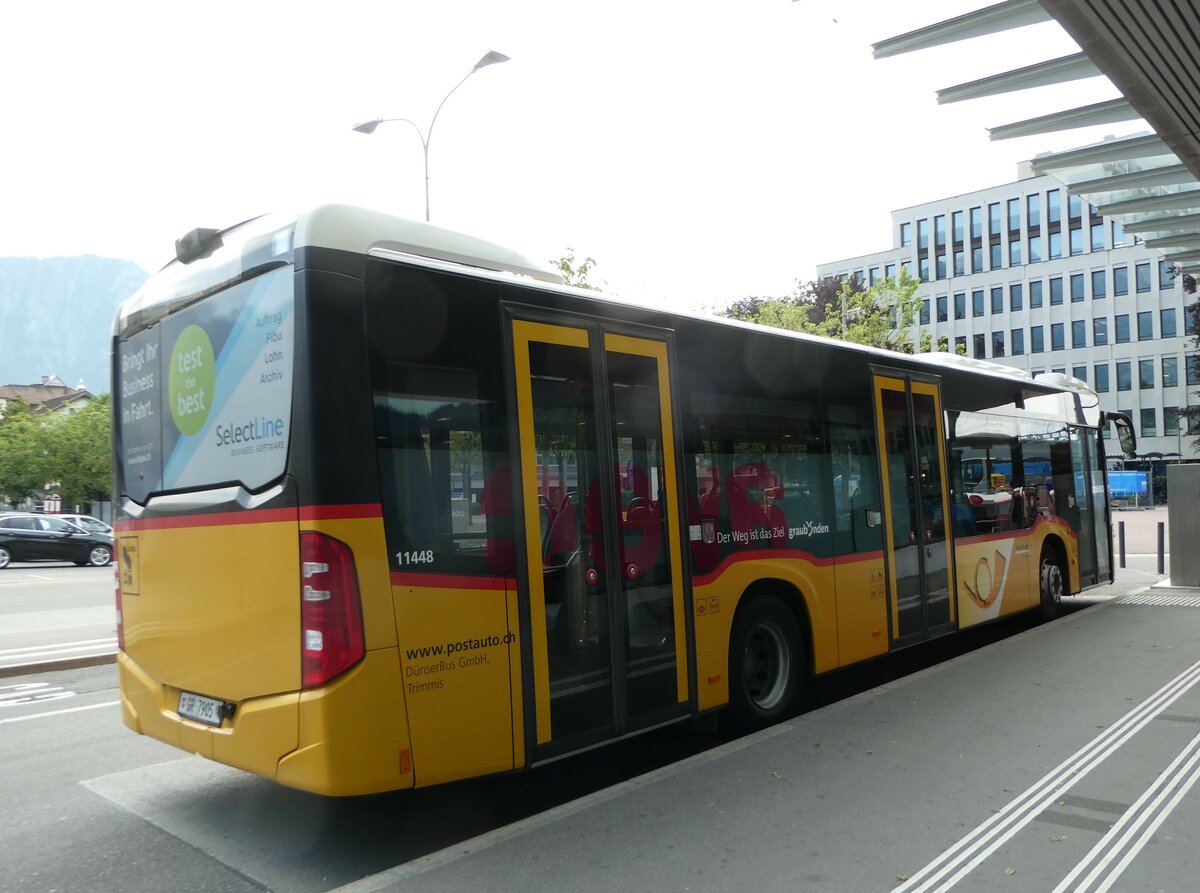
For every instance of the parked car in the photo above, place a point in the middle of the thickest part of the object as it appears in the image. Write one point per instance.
(88, 523)
(50, 538)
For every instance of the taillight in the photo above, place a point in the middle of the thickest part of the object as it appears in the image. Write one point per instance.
(975, 500)
(330, 609)
(120, 619)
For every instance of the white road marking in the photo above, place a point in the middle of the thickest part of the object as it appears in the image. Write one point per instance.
(1151, 808)
(954, 864)
(58, 712)
(83, 643)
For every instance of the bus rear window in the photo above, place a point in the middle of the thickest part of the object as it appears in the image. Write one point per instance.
(204, 397)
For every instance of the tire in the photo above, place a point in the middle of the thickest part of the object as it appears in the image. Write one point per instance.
(5, 557)
(1052, 583)
(99, 556)
(767, 663)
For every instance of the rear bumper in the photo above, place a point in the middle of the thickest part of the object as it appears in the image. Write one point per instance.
(348, 737)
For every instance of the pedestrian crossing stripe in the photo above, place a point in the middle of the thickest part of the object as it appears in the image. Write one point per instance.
(1177, 601)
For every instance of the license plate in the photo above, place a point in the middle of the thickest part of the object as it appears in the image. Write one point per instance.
(206, 710)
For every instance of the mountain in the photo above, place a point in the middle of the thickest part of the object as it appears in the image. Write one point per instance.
(56, 317)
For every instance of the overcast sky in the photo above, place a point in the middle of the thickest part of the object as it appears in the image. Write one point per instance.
(700, 151)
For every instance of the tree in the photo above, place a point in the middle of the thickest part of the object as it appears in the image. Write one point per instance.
(22, 452)
(883, 315)
(575, 272)
(80, 459)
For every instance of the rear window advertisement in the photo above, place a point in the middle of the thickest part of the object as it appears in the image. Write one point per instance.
(206, 395)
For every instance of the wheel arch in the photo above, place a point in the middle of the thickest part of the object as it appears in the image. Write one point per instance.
(793, 599)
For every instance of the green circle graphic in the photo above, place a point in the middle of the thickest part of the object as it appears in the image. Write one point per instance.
(191, 381)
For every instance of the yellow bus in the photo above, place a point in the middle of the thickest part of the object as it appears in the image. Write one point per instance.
(396, 507)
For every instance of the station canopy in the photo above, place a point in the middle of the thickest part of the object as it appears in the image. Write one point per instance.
(1148, 49)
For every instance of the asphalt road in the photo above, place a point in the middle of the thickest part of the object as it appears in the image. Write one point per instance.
(56, 613)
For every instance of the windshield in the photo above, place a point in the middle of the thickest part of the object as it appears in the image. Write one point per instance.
(204, 396)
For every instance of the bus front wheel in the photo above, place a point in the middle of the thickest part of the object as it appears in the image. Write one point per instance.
(767, 664)
(1052, 584)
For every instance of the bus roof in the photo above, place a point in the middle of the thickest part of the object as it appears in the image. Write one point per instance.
(263, 241)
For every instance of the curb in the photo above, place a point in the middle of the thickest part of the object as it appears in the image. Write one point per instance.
(73, 663)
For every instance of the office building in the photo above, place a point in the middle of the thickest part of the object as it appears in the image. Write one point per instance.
(1025, 275)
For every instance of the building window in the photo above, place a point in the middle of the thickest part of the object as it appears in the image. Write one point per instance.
(981, 347)
(1077, 294)
(1145, 375)
(976, 260)
(1079, 333)
(1118, 235)
(1145, 321)
(977, 223)
(977, 303)
(1099, 331)
(1056, 337)
(960, 345)
(1079, 372)
(994, 218)
(1120, 280)
(1166, 281)
(1123, 328)
(1036, 342)
(1055, 245)
(1097, 236)
(905, 235)
(1074, 207)
(1018, 342)
(960, 305)
(998, 299)
(960, 263)
(1192, 362)
(1061, 370)
(923, 268)
(1189, 321)
(1149, 427)
(1053, 208)
(925, 312)
(889, 271)
(1124, 376)
(941, 308)
(1170, 372)
(1101, 375)
(1142, 273)
(1076, 240)
(1035, 293)
(1015, 297)
(1033, 204)
(1014, 214)
(997, 344)
(873, 276)
(1170, 420)
(957, 225)
(1014, 253)
(1098, 285)
(939, 230)
(1035, 249)
(941, 265)
(1056, 291)
(997, 261)
(922, 234)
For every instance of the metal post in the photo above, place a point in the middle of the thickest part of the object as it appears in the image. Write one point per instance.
(1162, 538)
(1121, 541)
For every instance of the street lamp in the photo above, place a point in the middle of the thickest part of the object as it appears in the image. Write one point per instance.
(491, 57)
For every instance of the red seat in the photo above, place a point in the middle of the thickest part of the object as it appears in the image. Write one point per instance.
(496, 504)
(754, 522)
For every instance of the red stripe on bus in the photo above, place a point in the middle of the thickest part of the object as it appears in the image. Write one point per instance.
(448, 581)
(758, 554)
(340, 512)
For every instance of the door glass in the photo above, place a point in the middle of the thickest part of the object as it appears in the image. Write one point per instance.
(643, 522)
(574, 573)
(1099, 515)
(932, 530)
(905, 522)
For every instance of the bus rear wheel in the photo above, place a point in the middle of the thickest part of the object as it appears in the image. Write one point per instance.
(767, 663)
(1052, 583)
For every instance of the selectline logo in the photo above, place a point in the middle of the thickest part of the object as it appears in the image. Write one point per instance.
(191, 380)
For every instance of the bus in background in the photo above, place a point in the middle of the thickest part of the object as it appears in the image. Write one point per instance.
(396, 507)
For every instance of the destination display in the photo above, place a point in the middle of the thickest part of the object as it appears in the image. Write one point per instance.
(205, 396)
